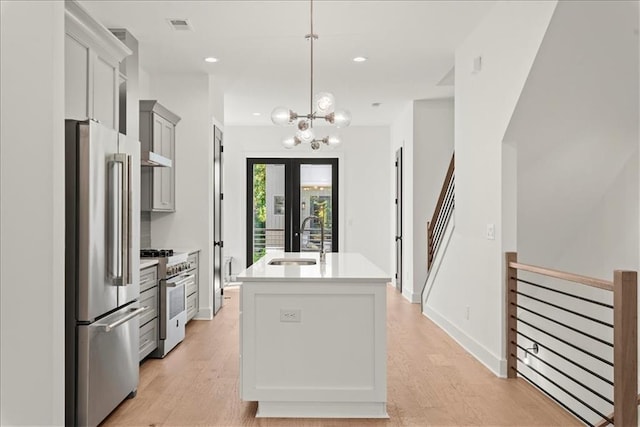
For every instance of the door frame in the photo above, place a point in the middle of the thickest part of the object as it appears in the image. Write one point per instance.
(291, 177)
(399, 190)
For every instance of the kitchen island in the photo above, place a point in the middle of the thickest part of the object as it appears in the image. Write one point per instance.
(313, 337)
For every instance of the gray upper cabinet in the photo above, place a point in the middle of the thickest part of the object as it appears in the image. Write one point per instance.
(157, 134)
(92, 60)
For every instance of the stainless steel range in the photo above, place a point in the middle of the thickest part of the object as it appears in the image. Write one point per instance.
(174, 273)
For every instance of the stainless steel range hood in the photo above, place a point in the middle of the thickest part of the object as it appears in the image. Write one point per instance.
(151, 159)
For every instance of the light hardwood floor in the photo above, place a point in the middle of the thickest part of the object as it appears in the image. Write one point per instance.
(431, 381)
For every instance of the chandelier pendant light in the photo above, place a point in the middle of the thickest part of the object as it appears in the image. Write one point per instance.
(321, 106)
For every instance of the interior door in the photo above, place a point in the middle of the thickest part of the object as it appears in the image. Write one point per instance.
(281, 193)
(398, 205)
(218, 198)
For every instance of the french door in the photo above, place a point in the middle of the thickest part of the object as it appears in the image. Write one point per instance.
(281, 193)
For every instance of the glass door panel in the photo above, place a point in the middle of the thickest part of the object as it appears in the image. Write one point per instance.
(316, 203)
(268, 209)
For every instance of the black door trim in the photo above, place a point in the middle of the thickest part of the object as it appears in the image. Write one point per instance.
(292, 199)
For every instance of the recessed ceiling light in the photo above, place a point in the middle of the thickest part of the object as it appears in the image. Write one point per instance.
(210, 59)
(375, 104)
(359, 59)
(257, 114)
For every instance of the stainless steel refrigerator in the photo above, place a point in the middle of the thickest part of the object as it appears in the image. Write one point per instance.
(102, 276)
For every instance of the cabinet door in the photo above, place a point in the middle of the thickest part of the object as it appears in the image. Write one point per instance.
(76, 79)
(164, 178)
(105, 85)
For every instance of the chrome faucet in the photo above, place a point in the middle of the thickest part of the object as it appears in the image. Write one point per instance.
(304, 223)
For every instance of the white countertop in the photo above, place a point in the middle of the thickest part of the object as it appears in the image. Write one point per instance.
(146, 262)
(338, 267)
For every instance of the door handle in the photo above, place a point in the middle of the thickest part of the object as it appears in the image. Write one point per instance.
(121, 204)
(137, 312)
(115, 213)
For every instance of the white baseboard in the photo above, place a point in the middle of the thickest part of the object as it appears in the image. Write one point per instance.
(204, 314)
(411, 297)
(495, 364)
(278, 409)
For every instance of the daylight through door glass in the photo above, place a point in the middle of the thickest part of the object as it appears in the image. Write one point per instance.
(316, 200)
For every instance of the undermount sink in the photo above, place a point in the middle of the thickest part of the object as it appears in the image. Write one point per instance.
(292, 261)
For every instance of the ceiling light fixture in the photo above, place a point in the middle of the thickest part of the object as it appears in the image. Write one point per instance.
(322, 106)
(359, 59)
(210, 59)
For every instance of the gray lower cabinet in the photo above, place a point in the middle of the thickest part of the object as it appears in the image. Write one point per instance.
(192, 285)
(149, 297)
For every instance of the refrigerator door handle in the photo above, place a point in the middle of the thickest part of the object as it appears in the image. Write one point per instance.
(115, 220)
(120, 195)
(126, 220)
(125, 319)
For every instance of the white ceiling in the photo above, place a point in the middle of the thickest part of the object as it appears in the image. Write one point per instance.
(264, 57)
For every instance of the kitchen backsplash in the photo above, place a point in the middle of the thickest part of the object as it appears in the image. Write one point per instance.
(145, 229)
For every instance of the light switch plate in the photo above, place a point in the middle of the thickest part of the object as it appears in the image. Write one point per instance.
(491, 231)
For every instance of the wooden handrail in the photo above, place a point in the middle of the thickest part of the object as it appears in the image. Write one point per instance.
(604, 423)
(589, 281)
(624, 289)
(436, 212)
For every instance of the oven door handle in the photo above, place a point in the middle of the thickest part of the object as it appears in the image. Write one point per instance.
(180, 282)
(125, 319)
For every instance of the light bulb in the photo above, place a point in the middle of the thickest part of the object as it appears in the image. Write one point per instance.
(333, 140)
(289, 142)
(305, 135)
(324, 102)
(342, 118)
(281, 116)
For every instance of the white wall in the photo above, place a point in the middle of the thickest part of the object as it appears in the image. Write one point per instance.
(471, 272)
(364, 171)
(432, 150)
(190, 227)
(578, 171)
(32, 220)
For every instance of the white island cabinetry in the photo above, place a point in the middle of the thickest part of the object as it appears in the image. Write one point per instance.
(313, 337)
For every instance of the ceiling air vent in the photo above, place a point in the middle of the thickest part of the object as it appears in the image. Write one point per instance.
(180, 24)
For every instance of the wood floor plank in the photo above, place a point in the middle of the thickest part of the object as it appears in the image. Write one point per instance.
(432, 381)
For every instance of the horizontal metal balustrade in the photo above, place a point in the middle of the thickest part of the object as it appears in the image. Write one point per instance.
(546, 333)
